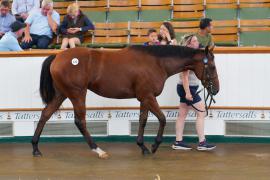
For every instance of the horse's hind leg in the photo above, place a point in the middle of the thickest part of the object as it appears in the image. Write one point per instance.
(45, 116)
(80, 112)
(143, 119)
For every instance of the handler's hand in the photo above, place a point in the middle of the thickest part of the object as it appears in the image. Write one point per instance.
(189, 97)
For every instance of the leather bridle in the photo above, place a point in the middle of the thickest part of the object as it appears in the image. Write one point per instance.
(206, 78)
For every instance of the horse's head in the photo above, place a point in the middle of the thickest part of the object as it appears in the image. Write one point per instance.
(205, 70)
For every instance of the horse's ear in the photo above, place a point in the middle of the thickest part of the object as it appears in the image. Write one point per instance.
(206, 50)
(211, 48)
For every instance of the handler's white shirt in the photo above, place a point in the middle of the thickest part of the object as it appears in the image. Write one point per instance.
(192, 78)
(24, 6)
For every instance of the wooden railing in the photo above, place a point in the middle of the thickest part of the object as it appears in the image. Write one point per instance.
(217, 50)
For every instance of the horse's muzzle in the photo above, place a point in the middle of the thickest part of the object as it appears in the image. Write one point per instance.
(214, 91)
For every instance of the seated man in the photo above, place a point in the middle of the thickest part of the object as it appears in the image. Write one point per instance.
(5, 17)
(21, 8)
(40, 26)
(9, 41)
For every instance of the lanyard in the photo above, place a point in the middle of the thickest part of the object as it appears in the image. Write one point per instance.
(25, 2)
(28, 5)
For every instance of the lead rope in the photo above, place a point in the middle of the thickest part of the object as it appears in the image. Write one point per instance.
(205, 96)
(194, 106)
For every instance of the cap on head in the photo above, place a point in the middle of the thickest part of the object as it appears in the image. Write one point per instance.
(17, 25)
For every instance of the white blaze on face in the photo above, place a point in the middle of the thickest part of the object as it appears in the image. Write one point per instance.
(75, 61)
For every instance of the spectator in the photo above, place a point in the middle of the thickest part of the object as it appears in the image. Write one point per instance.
(187, 90)
(9, 41)
(6, 19)
(167, 34)
(74, 25)
(204, 34)
(153, 38)
(21, 8)
(40, 25)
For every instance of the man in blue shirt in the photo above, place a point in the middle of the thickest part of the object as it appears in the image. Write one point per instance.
(9, 41)
(40, 26)
(5, 17)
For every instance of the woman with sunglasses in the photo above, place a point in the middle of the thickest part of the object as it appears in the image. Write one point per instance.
(186, 89)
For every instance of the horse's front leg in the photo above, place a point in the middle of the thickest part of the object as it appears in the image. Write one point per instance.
(143, 119)
(80, 122)
(155, 109)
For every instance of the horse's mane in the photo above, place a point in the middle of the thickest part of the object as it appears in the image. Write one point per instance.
(167, 50)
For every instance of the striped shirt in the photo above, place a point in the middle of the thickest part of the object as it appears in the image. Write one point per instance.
(5, 22)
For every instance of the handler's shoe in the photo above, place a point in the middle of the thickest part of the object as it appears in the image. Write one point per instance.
(204, 146)
(180, 145)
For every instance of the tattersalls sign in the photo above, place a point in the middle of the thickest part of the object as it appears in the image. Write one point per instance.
(134, 115)
(237, 114)
(118, 122)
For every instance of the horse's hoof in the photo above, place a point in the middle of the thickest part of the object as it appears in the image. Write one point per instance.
(37, 153)
(101, 154)
(154, 148)
(104, 155)
(146, 152)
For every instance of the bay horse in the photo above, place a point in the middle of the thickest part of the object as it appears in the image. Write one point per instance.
(133, 72)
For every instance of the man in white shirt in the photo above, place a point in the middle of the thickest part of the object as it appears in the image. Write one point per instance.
(41, 24)
(22, 8)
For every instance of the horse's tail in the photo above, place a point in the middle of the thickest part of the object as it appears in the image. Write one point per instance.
(46, 89)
